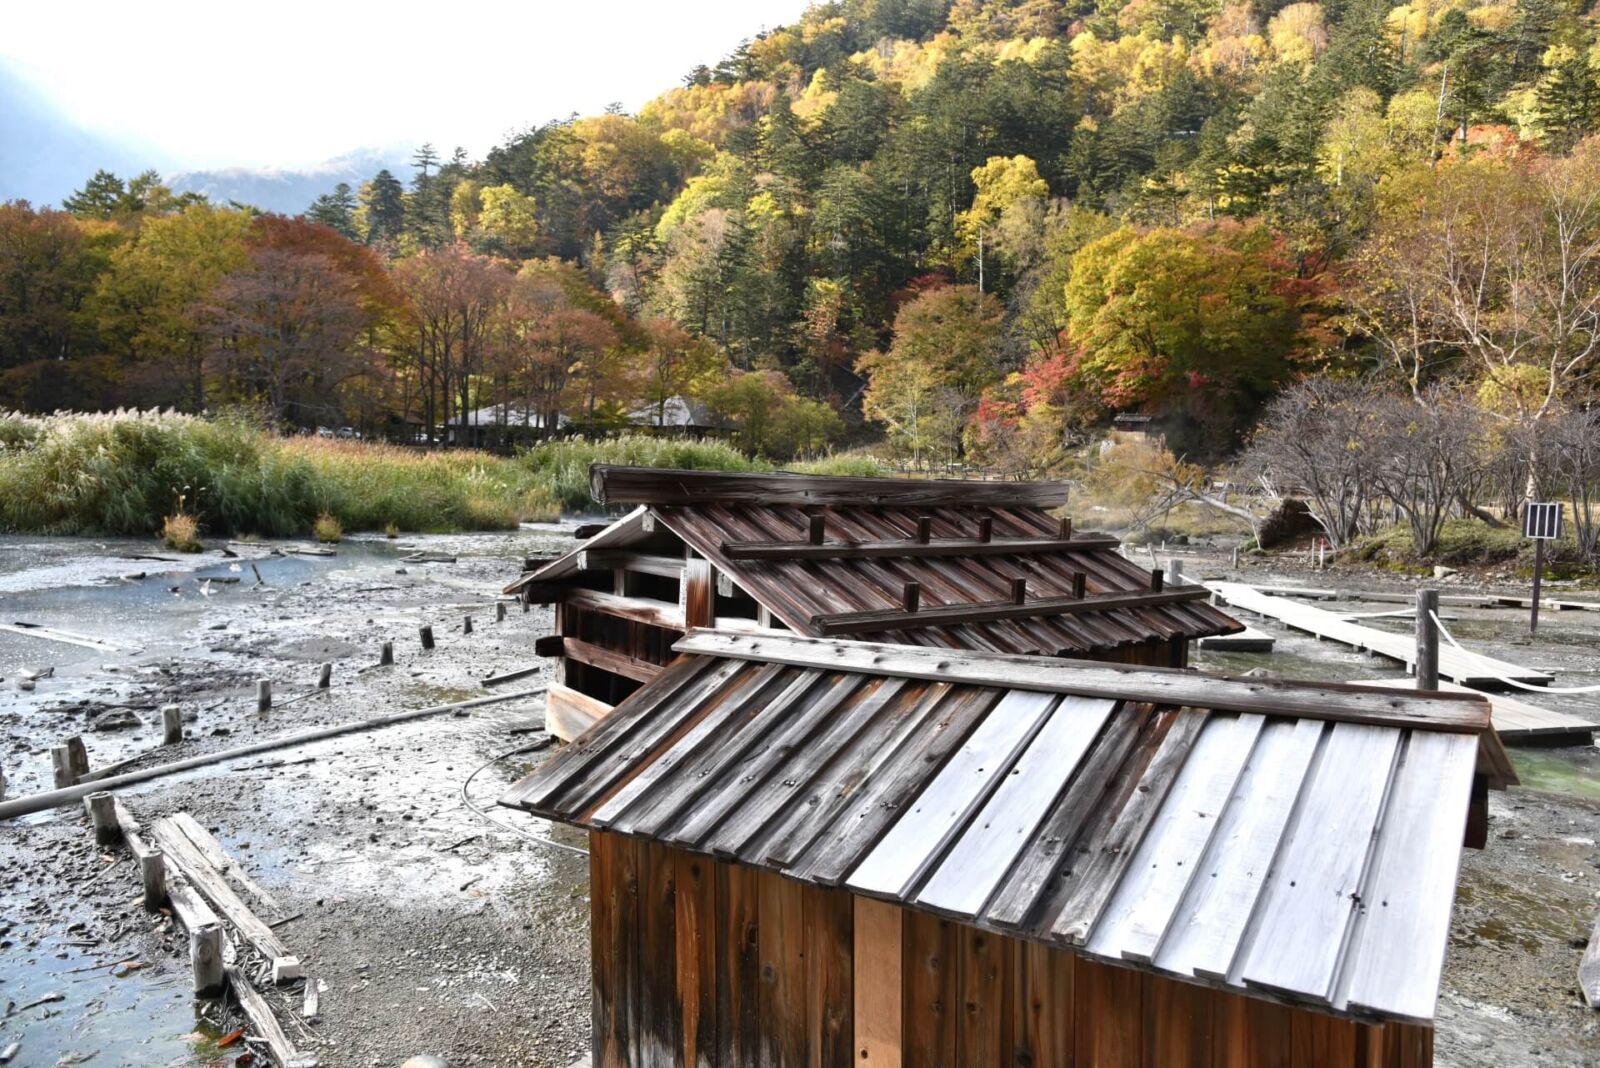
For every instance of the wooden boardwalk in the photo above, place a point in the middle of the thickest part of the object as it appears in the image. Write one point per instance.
(1467, 670)
(1516, 720)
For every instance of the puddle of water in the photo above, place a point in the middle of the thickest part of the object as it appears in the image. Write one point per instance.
(99, 1018)
(1559, 771)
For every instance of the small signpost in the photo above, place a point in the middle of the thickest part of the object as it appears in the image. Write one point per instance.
(1541, 521)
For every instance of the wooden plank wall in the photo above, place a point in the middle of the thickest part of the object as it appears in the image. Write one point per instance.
(702, 963)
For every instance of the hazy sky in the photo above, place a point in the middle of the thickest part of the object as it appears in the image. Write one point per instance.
(289, 82)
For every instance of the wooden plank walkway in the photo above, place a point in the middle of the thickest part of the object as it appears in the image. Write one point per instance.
(1514, 719)
(1471, 670)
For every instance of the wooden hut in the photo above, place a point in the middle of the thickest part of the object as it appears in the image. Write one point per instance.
(951, 564)
(812, 852)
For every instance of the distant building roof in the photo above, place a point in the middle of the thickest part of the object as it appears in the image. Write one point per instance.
(675, 411)
(509, 416)
(1292, 841)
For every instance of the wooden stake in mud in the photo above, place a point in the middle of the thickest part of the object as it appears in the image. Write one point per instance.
(426, 634)
(324, 676)
(61, 766)
(103, 814)
(205, 957)
(386, 654)
(466, 625)
(78, 756)
(1427, 640)
(153, 876)
(263, 695)
(171, 725)
(499, 611)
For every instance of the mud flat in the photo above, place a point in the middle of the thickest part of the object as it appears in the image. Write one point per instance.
(433, 930)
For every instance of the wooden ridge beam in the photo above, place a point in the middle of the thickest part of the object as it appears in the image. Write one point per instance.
(622, 559)
(611, 484)
(639, 609)
(839, 550)
(949, 615)
(630, 667)
(1339, 702)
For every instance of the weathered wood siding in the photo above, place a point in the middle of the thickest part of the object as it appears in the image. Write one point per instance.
(702, 963)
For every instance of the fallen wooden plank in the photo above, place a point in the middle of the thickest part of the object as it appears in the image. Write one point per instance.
(874, 550)
(220, 862)
(1336, 702)
(1453, 664)
(1589, 969)
(183, 855)
(511, 676)
(1248, 640)
(1513, 719)
(260, 1014)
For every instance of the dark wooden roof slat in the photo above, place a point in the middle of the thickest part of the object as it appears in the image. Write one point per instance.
(993, 611)
(611, 484)
(858, 550)
(835, 740)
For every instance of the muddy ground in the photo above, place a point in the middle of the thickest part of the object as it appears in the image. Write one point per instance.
(433, 930)
(436, 931)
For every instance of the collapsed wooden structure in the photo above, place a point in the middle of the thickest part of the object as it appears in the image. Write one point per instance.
(809, 852)
(949, 564)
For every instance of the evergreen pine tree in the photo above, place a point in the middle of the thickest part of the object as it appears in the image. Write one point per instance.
(384, 200)
(336, 210)
(1569, 103)
(100, 197)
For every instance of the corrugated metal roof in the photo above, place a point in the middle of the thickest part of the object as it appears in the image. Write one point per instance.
(1306, 860)
(796, 590)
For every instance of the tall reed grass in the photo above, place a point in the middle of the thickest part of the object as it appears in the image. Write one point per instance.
(124, 472)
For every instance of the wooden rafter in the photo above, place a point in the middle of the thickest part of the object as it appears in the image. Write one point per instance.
(624, 560)
(1461, 713)
(950, 615)
(867, 550)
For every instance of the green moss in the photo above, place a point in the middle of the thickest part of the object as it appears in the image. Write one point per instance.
(1464, 543)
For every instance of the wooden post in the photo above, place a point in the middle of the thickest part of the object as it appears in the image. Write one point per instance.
(386, 654)
(986, 528)
(816, 528)
(263, 695)
(1064, 529)
(1235, 556)
(1427, 632)
(205, 958)
(910, 596)
(924, 528)
(1157, 580)
(426, 634)
(499, 611)
(78, 756)
(103, 814)
(1080, 584)
(1538, 581)
(171, 725)
(1175, 569)
(466, 625)
(153, 876)
(1019, 590)
(61, 765)
(324, 676)
(2, 784)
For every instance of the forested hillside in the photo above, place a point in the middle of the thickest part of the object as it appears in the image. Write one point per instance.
(969, 229)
